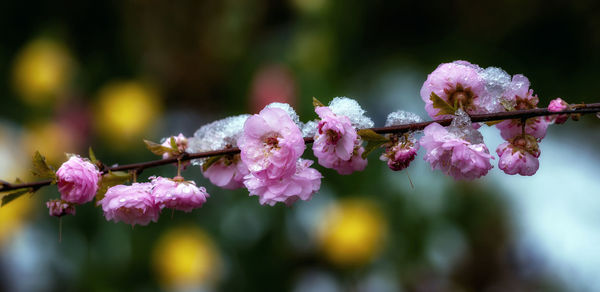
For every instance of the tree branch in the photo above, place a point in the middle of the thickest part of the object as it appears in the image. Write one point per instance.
(519, 114)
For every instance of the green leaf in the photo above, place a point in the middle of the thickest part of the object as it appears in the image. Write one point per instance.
(373, 139)
(317, 103)
(370, 135)
(210, 161)
(174, 144)
(92, 156)
(443, 106)
(41, 168)
(157, 148)
(371, 145)
(110, 179)
(9, 196)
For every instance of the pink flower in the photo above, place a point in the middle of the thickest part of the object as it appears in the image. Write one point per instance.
(132, 204)
(557, 105)
(179, 195)
(77, 180)
(335, 140)
(401, 153)
(301, 185)
(182, 145)
(454, 155)
(60, 208)
(227, 173)
(180, 140)
(458, 83)
(519, 95)
(519, 156)
(271, 144)
(535, 127)
(355, 163)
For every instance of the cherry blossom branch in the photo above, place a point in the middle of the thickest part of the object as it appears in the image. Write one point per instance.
(580, 109)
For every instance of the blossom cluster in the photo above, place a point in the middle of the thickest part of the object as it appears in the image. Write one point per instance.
(270, 163)
(140, 203)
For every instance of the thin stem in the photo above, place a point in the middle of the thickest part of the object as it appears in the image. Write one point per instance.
(178, 167)
(138, 167)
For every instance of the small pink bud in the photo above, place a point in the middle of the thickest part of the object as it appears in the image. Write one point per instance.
(557, 105)
(59, 208)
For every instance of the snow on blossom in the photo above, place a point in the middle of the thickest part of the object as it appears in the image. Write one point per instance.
(131, 204)
(177, 194)
(271, 144)
(458, 150)
(459, 84)
(335, 139)
(229, 171)
(402, 148)
(344, 106)
(299, 186)
(77, 180)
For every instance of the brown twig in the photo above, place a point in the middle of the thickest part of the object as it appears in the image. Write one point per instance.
(138, 167)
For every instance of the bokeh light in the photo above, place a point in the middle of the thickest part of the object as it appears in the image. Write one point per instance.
(42, 70)
(126, 111)
(352, 232)
(186, 259)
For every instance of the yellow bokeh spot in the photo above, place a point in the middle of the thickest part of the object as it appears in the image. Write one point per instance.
(51, 140)
(42, 70)
(351, 232)
(12, 217)
(186, 258)
(126, 110)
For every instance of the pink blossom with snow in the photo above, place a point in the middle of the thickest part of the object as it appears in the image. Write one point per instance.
(459, 84)
(336, 142)
(271, 144)
(455, 155)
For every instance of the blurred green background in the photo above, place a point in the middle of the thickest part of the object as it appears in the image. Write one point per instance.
(108, 73)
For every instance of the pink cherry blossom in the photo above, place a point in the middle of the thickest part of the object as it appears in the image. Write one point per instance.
(59, 208)
(355, 163)
(271, 144)
(454, 155)
(535, 127)
(401, 152)
(518, 94)
(557, 105)
(301, 185)
(519, 156)
(180, 140)
(77, 180)
(182, 145)
(458, 83)
(177, 194)
(133, 204)
(335, 142)
(227, 173)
